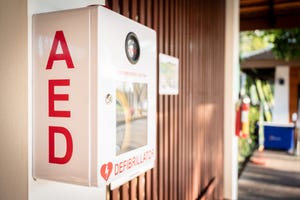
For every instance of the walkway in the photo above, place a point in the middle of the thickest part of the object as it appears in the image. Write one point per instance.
(271, 175)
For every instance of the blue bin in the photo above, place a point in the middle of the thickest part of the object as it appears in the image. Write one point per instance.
(279, 136)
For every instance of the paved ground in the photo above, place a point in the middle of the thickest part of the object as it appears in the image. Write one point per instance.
(271, 175)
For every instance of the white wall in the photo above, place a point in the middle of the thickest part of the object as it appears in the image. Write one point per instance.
(42, 189)
(231, 96)
(281, 95)
(13, 100)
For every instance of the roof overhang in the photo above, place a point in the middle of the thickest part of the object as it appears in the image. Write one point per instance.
(261, 64)
(268, 63)
(265, 59)
(269, 14)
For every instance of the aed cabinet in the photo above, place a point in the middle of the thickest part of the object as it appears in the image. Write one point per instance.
(94, 97)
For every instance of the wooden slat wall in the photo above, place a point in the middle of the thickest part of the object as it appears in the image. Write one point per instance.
(293, 85)
(189, 125)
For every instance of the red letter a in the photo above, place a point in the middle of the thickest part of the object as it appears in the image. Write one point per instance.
(69, 145)
(65, 55)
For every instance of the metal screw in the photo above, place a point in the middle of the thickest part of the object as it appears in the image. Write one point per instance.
(108, 99)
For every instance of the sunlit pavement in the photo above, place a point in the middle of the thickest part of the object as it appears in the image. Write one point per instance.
(270, 175)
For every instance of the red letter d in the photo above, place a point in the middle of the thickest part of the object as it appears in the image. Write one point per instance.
(69, 143)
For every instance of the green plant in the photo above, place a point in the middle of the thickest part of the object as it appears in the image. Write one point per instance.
(286, 44)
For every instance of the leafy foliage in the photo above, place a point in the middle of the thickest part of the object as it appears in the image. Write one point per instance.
(254, 40)
(285, 43)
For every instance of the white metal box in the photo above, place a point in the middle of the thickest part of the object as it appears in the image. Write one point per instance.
(94, 97)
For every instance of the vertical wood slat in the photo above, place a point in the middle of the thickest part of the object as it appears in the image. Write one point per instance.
(293, 85)
(133, 189)
(115, 5)
(180, 135)
(115, 194)
(125, 8)
(184, 132)
(142, 12)
(141, 187)
(189, 98)
(125, 191)
(204, 149)
(160, 138)
(193, 31)
(133, 10)
(176, 116)
(155, 172)
(171, 51)
(166, 113)
(198, 116)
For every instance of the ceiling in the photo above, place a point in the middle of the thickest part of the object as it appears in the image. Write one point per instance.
(269, 14)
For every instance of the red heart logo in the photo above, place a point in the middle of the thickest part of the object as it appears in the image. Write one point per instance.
(106, 170)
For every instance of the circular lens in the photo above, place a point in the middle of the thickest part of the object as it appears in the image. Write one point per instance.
(132, 48)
